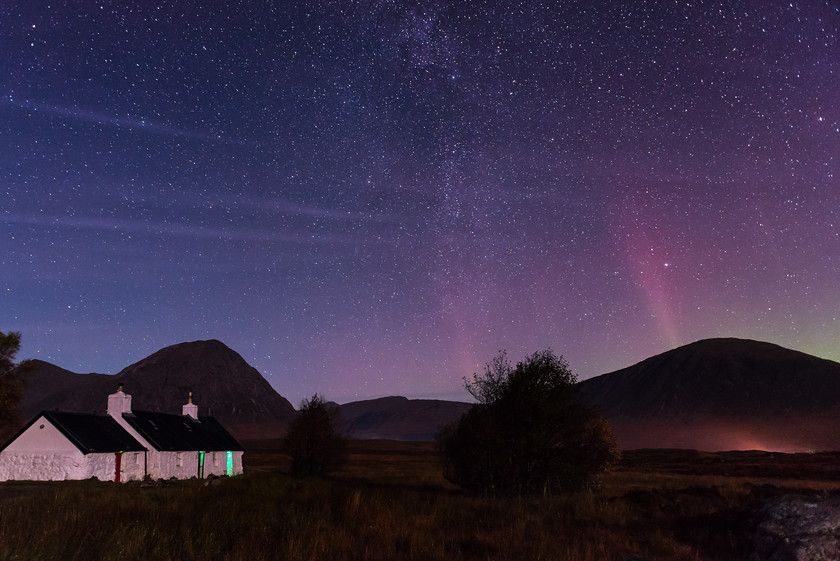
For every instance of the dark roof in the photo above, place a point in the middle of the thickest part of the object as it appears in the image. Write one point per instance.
(89, 433)
(170, 432)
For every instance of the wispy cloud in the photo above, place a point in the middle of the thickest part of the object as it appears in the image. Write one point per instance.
(282, 206)
(266, 205)
(133, 123)
(164, 228)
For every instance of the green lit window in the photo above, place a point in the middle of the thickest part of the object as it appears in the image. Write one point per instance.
(230, 463)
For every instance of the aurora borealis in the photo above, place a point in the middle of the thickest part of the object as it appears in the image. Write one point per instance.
(372, 198)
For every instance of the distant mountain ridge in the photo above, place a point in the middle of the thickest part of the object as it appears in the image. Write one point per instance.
(714, 394)
(399, 418)
(722, 393)
(225, 385)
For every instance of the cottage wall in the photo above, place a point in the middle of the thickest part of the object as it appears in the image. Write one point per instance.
(183, 465)
(216, 463)
(42, 466)
(103, 466)
(60, 466)
(132, 467)
(165, 465)
(72, 464)
(237, 463)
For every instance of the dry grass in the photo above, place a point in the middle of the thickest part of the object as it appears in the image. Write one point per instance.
(390, 502)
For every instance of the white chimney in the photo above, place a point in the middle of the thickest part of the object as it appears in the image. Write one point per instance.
(119, 403)
(190, 408)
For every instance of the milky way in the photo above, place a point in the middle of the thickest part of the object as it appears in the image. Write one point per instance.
(372, 198)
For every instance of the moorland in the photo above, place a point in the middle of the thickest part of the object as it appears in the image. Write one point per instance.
(389, 501)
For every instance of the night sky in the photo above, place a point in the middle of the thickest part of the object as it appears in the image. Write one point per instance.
(374, 197)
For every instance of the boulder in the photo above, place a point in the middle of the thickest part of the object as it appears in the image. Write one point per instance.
(798, 528)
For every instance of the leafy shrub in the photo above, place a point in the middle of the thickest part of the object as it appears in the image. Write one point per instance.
(314, 439)
(528, 434)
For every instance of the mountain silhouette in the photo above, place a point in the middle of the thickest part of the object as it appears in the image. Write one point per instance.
(714, 394)
(399, 418)
(222, 383)
(725, 393)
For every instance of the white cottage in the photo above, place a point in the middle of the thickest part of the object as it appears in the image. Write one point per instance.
(123, 445)
(57, 445)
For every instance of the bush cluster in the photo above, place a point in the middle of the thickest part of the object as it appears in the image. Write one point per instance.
(528, 434)
(315, 441)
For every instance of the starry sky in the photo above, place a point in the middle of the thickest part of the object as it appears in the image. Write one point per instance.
(373, 197)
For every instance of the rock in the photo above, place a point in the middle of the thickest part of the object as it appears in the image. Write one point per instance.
(797, 528)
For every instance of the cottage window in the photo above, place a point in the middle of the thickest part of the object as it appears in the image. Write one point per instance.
(179, 459)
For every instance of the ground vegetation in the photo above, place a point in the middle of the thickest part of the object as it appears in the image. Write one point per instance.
(389, 501)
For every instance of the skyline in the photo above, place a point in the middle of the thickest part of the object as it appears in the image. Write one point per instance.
(373, 198)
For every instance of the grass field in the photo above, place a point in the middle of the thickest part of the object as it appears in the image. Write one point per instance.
(390, 502)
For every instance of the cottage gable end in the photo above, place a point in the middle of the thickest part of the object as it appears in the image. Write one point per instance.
(38, 436)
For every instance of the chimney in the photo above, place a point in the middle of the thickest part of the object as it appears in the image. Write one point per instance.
(119, 403)
(190, 408)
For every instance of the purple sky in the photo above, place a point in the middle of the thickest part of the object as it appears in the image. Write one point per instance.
(374, 197)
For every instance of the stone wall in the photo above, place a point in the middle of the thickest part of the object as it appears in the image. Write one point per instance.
(183, 465)
(215, 463)
(42, 466)
(49, 466)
